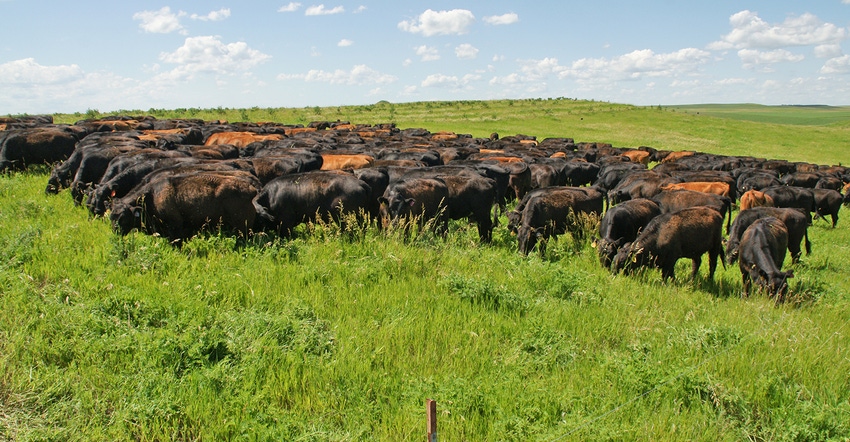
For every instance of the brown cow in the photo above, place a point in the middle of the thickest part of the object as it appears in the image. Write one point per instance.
(346, 161)
(714, 187)
(240, 139)
(755, 198)
(637, 156)
(673, 156)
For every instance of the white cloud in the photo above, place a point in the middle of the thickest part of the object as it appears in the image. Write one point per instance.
(207, 54)
(359, 75)
(430, 23)
(427, 53)
(636, 65)
(828, 51)
(35, 88)
(504, 19)
(291, 7)
(838, 65)
(27, 71)
(497, 58)
(162, 21)
(466, 51)
(344, 43)
(449, 81)
(360, 9)
(749, 31)
(753, 59)
(320, 10)
(219, 15)
(407, 62)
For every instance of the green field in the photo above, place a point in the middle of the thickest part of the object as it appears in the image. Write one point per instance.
(797, 115)
(343, 335)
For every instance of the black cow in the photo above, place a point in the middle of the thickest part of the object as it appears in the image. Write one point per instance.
(688, 233)
(827, 202)
(678, 199)
(20, 148)
(794, 197)
(762, 252)
(416, 199)
(622, 224)
(289, 200)
(179, 206)
(794, 219)
(552, 211)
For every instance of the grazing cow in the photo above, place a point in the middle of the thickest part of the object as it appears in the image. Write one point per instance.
(289, 200)
(674, 156)
(762, 251)
(622, 224)
(240, 139)
(420, 199)
(794, 197)
(346, 161)
(637, 156)
(688, 233)
(794, 219)
(674, 200)
(714, 187)
(801, 179)
(639, 184)
(755, 198)
(21, 148)
(179, 206)
(551, 211)
(827, 202)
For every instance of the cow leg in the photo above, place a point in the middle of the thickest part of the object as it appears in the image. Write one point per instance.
(668, 270)
(745, 283)
(695, 263)
(712, 264)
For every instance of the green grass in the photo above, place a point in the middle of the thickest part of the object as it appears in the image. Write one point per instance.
(796, 115)
(343, 335)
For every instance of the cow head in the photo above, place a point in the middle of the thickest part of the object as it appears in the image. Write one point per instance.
(777, 284)
(125, 217)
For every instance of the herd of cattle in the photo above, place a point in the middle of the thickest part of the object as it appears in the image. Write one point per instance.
(177, 177)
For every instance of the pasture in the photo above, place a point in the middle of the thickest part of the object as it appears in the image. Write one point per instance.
(343, 334)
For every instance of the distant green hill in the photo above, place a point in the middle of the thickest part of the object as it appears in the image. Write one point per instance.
(808, 115)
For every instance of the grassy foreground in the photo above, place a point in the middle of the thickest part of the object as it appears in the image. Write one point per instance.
(343, 335)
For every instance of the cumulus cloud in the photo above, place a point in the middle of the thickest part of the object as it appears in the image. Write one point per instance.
(36, 88)
(837, 65)
(753, 59)
(162, 21)
(749, 31)
(28, 71)
(430, 23)
(208, 54)
(291, 7)
(449, 81)
(360, 9)
(504, 19)
(427, 53)
(828, 51)
(321, 10)
(219, 15)
(344, 43)
(359, 75)
(637, 64)
(466, 51)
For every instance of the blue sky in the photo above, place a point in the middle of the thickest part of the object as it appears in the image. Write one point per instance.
(73, 56)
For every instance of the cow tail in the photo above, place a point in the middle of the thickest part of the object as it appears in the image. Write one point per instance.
(729, 216)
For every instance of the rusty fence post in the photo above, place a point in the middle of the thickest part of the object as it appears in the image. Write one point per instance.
(431, 405)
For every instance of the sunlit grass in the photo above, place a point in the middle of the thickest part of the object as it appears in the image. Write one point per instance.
(341, 333)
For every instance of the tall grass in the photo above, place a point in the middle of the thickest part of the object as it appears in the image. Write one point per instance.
(342, 333)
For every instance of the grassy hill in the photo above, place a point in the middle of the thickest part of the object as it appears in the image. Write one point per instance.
(342, 336)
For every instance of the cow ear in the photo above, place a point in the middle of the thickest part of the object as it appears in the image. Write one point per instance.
(789, 274)
(410, 202)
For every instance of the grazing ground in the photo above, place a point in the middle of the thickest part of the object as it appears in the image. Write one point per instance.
(343, 335)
